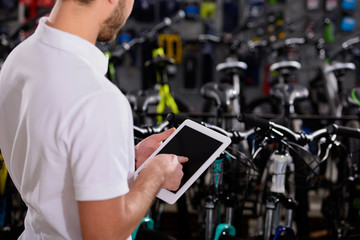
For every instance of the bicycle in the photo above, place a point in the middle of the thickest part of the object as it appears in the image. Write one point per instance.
(12, 208)
(341, 205)
(281, 166)
(223, 187)
(158, 92)
(284, 92)
(218, 193)
(147, 229)
(294, 141)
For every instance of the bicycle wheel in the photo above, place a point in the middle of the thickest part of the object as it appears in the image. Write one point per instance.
(353, 195)
(336, 206)
(354, 143)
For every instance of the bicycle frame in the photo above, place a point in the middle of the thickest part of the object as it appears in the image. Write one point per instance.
(277, 166)
(213, 204)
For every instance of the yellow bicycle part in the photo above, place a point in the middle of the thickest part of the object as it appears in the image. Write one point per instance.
(111, 68)
(158, 52)
(166, 100)
(3, 175)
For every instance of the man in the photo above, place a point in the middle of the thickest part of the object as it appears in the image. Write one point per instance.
(67, 133)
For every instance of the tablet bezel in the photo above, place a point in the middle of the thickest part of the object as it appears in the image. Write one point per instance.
(171, 197)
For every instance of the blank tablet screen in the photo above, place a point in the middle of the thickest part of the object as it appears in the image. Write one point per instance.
(193, 144)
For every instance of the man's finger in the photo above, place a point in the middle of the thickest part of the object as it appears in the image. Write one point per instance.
(164, 135)
(182, 159)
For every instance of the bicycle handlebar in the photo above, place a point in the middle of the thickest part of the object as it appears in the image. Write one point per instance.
(209, 38)
(300, 138)
(165, 23)
(292, 41)
(234, 135)
(350, 42)
(288, 42)
(344, 131)
(126, 46)
(227, 39)
(345, 46)
(275, 128)
(255, 44)
(143, 132)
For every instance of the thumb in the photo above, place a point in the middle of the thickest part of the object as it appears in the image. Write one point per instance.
(182, 159)
(164, 135)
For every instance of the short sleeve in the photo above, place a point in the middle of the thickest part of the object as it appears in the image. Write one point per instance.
(99, 138)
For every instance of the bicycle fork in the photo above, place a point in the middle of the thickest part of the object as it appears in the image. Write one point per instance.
(277, 199)
(213, 204)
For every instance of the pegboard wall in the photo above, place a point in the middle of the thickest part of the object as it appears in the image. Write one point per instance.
(333, 20)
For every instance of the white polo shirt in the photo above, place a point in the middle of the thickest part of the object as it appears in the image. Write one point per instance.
(66, 132)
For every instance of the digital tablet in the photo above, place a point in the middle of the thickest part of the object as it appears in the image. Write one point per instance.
(197, 142)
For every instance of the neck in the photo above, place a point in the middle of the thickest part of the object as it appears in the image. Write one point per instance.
(81, 20)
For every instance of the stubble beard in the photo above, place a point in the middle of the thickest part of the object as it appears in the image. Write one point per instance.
(112, 25)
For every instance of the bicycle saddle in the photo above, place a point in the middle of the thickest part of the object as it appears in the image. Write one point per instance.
(339, 68)
(289, 93)
(291, 65)
(221, 93)
(141, 100)
(231, 65)
(289, 42)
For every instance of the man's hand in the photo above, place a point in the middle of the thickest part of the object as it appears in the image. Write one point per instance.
(117, 218)
(170, 167)
(147, 146)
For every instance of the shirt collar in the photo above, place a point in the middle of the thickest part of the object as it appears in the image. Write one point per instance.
(72, 43)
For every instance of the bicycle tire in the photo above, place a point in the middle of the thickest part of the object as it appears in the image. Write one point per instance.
(354, 143)
(336, 206)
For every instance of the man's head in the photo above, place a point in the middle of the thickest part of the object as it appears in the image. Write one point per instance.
(93, 20)
(110, 28)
